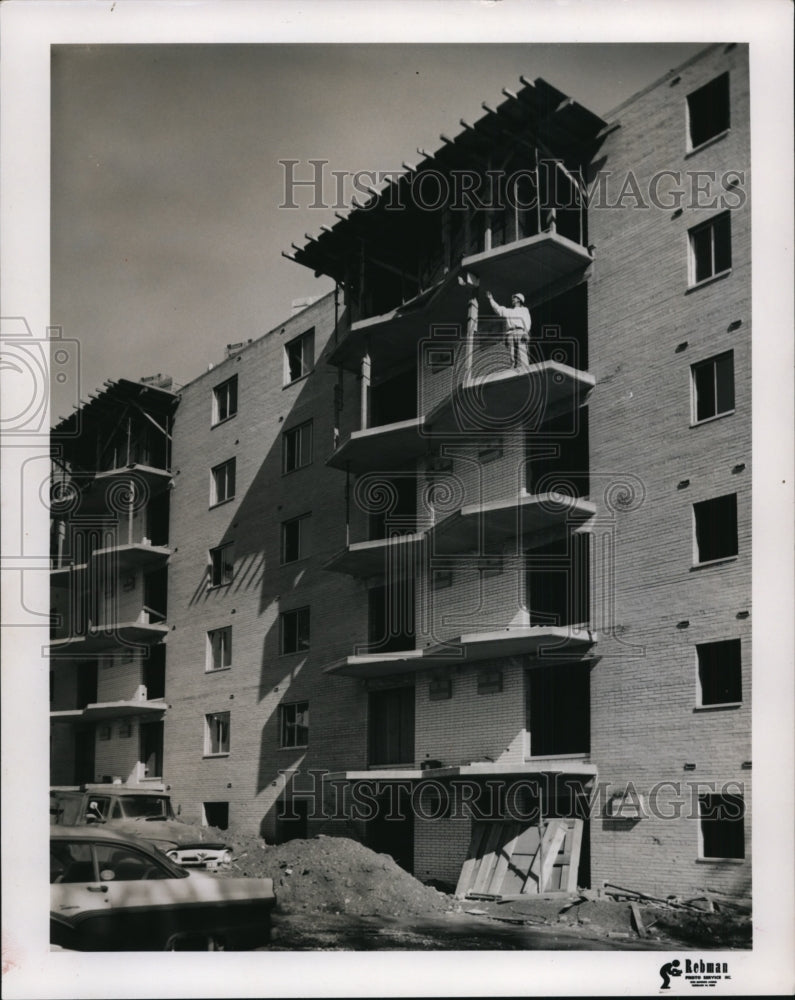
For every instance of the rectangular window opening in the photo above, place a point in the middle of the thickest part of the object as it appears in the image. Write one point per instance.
(222, 482)
(719, 673)
(297, 447)
(710, 248)
(295, 539)
(294, 630)
(215, 814)
(716, 528)
(299, 356)
(558, 709)
(713, 387)
(222, 561)
(390, 723)
(294, 729)
(225, 400)
(708, 111)
(217, 734)
(721, 826)
(219, 648)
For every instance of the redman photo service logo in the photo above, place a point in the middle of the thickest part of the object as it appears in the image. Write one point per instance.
(695, 972)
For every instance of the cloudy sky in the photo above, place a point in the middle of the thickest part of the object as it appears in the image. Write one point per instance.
(166, 182)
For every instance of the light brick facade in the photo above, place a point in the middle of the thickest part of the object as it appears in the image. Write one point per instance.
(613, 307)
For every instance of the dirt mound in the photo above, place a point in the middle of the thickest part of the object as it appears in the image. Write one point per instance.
(336, 875)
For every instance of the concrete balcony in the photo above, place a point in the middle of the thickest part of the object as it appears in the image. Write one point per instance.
(108, 489)
(134, 556)
(509, 399)
(529, 518)
(394, 556)
(377, 664)
(473, 769)
(386, 446)
(533, 265)
(534, 641)
(110, 638)
(502, 400)
(536, 265)
(155, 478)
(60, 576)
(99, 711)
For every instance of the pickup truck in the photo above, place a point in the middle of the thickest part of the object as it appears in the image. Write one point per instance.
(139, 812)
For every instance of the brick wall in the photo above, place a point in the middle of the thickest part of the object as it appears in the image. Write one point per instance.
(119, 755)
(645, 331)
(470, 726)
(261, 678)
(117, 681)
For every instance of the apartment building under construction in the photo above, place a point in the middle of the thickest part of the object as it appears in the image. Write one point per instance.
(478, 598)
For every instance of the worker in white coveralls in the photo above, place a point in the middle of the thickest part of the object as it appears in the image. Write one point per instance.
(517, 335)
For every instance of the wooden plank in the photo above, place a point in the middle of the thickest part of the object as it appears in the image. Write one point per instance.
(574, 861)
(523, 853)
(489, 858)
(545, 830)
(469, 868)
(550, 847)
(638, 920)
(504, 854)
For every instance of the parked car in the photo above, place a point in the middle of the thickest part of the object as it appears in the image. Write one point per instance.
(115, 893)
(140, 812)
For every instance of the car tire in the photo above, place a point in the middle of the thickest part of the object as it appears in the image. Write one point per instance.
(194, 942)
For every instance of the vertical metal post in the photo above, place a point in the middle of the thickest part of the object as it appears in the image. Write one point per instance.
(347, 504)
(487, 218)
(339, 390)
(365, 393)
(516, 211)
(130, 512)
(129, 434)
(60, 530)
(472, 329)
(361, 279)
(538, 191)
(446, 238)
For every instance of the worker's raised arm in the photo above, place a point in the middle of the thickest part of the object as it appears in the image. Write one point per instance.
(500, 310)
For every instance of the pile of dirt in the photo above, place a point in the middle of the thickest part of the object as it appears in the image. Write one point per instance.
(336, 875)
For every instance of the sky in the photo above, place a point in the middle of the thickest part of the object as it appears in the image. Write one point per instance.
(166, 230)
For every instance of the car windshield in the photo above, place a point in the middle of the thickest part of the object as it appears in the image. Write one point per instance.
(146, 807)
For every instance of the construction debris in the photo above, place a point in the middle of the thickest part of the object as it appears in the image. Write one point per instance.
(639, 927)
(337, 875)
